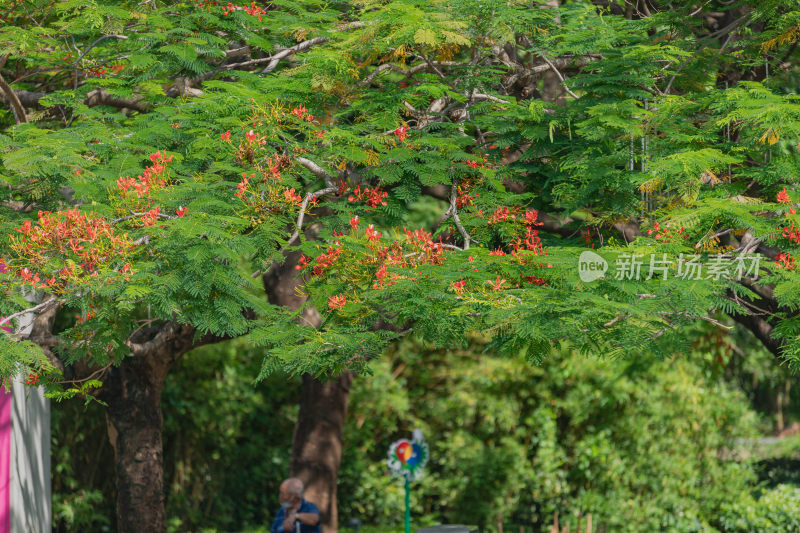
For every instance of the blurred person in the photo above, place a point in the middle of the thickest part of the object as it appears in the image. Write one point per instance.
(296, 514)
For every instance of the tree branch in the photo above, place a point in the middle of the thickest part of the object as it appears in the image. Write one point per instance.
(41, 307)
(101, 97)
(16, 105)
(317, 170)
(134, 215)
(761, 329)
(457, 220)
(560, 77)
(96, 42)
(305, 45)
(303, 208)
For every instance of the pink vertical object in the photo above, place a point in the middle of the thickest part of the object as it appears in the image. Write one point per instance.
(5, 459)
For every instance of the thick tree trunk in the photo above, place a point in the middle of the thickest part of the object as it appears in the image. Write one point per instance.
(132, 391)
(133, 394)
(317, 442)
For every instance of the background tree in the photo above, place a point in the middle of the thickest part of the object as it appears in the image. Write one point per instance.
(675, 133)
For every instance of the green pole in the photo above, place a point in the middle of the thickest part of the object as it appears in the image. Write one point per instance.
(408, 506)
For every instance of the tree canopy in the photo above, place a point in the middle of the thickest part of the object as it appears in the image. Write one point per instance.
(329, 128)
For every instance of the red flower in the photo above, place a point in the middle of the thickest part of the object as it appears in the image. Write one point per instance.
(372, 233)
(785, 260)
(498, 284)
(302, 113)
(181, 211)
(226, 136)
(255, 10)
(354, 222)
(497, 251)
(588, 237)
(783, 197)
(381, 273)
(531, 217)
(336, 302)
(301, 264)
(500, 214)
(150, 217)
(326, 260)
(666, 233)
(532, 241)
(25, 228)
(242, 187)
(401, 132)
(458, 286)
(791, 233)
(373, 197)
(251, 135)
(160, 157)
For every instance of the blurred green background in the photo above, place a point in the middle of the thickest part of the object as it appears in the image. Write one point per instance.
(682, 444)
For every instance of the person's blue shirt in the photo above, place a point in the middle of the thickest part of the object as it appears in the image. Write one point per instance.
(305, 507)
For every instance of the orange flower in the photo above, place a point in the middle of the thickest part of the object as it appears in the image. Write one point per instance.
(458, 286)
(336, 302)
(292, 197)
(498, 284)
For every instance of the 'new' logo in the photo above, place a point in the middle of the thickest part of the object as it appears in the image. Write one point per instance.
(591, 266)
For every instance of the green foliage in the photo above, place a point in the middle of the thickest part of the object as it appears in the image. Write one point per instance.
(773, 510)
(636, 444)
(82, 468)
(227, 442)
